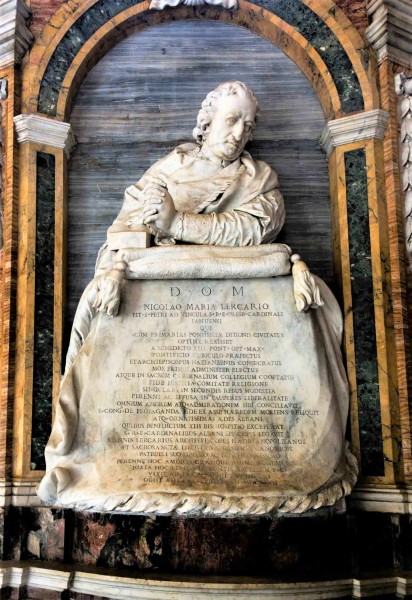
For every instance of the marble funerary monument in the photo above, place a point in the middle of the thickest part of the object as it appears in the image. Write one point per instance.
(205, 299)
(205, 375)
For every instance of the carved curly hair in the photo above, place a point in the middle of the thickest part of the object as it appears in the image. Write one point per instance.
(209, 105)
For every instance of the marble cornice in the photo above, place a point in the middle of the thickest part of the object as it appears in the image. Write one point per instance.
(43, 130)
(354, 128)
(18, 493)
(383, 500)
(389, 31)
(15, 37)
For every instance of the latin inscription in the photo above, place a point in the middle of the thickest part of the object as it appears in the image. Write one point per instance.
(205, 391)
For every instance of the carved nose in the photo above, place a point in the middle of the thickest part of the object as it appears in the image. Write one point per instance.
(238, 131)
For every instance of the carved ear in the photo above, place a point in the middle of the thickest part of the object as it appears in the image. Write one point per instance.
(205, 130)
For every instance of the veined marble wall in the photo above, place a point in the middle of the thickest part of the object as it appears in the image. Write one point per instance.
(141, 100)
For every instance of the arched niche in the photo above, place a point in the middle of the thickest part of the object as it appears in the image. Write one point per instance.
(141, 100)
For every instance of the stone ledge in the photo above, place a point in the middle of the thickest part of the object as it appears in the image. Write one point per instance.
(19, 494)
(114, 584)
(395, 501)
(43, 130)
(354, 128)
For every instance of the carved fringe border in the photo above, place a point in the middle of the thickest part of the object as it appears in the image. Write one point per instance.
(160, 503)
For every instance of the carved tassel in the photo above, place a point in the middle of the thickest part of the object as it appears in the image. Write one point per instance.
(108, 295)
(305, 288)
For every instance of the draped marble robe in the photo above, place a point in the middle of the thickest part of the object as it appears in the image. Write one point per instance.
(241, 198)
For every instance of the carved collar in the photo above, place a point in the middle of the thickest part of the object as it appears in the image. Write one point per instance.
(204, 152)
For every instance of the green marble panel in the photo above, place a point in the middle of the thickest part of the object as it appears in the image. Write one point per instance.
(318, 34)
(43, 308)
(370, 426)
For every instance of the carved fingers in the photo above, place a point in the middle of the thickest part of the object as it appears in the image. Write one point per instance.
(159, 209)
(151, 211)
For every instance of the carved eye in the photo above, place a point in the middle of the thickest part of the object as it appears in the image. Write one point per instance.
(248, 127)
(231, 120)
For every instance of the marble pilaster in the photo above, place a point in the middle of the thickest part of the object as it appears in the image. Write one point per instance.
(403, 86)
(355, 142)
(45, 145)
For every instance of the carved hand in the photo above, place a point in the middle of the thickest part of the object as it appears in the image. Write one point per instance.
(159, 211)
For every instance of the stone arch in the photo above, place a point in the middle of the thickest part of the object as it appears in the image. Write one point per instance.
(315, 35)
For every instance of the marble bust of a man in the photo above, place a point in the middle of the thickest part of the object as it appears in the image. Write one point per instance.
(210, 192)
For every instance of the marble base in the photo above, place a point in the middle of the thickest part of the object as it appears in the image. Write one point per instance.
(104, 584)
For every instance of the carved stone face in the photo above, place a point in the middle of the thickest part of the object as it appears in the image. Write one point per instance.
(231, 127)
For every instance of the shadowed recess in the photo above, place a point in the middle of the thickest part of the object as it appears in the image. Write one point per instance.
(293, 12)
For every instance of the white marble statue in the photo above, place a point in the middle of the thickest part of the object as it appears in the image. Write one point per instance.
(212, 191)
(214, 212)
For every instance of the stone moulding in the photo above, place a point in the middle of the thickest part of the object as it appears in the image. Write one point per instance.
(403, 87)
(18, 493)
(362, 126)
(383, 500)
(390, 30)
(103, 583)
(394, 501)
(15, 37)
(3, 89)
(42, 130)
(161, 4)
